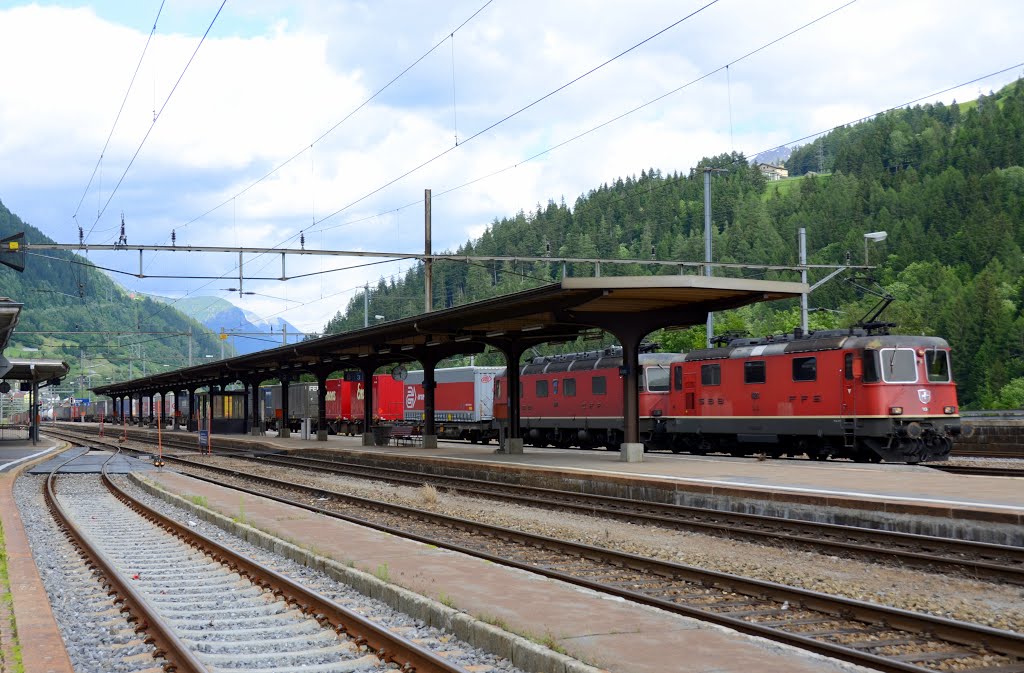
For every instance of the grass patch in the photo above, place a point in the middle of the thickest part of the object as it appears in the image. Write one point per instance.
(382, 573)
(10, 653)
(549, 641)
(445, 599)
(494, 621)
(199, 500)
(787, 185)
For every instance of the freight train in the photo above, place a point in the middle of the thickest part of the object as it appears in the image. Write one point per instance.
(842, 394)
(78, 410)
(827, 394)
(344, 404)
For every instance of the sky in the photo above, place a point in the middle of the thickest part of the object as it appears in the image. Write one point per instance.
(360, 106)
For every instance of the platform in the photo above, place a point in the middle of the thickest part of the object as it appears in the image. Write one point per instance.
(15, 452)
(600, 630)
(41, 643)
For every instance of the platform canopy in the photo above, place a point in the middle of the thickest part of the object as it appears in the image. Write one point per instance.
(10, 310)
(35, 370)
(557, 312)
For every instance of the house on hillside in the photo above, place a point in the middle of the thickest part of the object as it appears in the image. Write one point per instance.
(772, 172)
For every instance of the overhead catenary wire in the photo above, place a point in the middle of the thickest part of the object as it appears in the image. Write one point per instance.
(330, 130)
(517, 112)
(506, 118)
(348, 116)
(623, 197)
(437, 194)
(156, 117)
(117, 118)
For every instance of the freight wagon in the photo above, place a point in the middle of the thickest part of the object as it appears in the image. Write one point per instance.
(463, 402)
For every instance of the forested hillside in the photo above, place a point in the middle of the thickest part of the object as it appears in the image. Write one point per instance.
(67, 297)
(945, 182)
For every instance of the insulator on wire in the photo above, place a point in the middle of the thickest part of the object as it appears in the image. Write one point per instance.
(81, 235)
(174, 238)
(302, 240)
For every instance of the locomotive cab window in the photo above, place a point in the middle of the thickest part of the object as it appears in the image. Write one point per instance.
(541, 388)
(899, 365)
(805, 369)
(848, 366)
(936, 362)
(711, 375)
(598, 385)
(754, 372)
(870, 366)
(657, 379)
(554, 387)
(569, 387)
(677, 377)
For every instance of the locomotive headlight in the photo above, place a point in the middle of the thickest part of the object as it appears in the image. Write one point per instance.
(949, 410)
(895, 411)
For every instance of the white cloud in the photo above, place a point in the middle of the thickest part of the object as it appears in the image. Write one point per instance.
(272, 76)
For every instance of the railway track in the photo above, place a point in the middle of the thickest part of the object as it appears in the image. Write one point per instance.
(976, 559)
(207, 608)
(878, 637)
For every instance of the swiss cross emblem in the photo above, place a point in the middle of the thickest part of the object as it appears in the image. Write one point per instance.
(924, 395)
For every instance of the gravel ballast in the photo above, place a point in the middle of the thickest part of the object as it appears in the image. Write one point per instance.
(992, 604)
(99, 640)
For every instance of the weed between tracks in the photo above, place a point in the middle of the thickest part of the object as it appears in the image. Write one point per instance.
(428, 495)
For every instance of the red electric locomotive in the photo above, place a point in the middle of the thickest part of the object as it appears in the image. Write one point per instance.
(843, 394)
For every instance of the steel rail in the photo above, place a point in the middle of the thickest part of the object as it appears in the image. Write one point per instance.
(980, 471)
(388, 646)
(922, 626)
(987, 560)
(669, 514)
(159, 633)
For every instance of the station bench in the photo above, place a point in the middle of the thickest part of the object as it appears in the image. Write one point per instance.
(403, 434)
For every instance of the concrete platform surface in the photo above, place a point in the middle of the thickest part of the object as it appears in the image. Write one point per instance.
(15, 452)
(599, 630)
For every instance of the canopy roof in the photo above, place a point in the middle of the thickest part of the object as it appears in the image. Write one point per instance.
(35, 370)
(9, 312)
(556, 312)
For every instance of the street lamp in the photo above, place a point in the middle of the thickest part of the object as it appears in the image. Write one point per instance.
(875, 236)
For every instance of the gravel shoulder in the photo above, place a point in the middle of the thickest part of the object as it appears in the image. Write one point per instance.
(992, 604)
